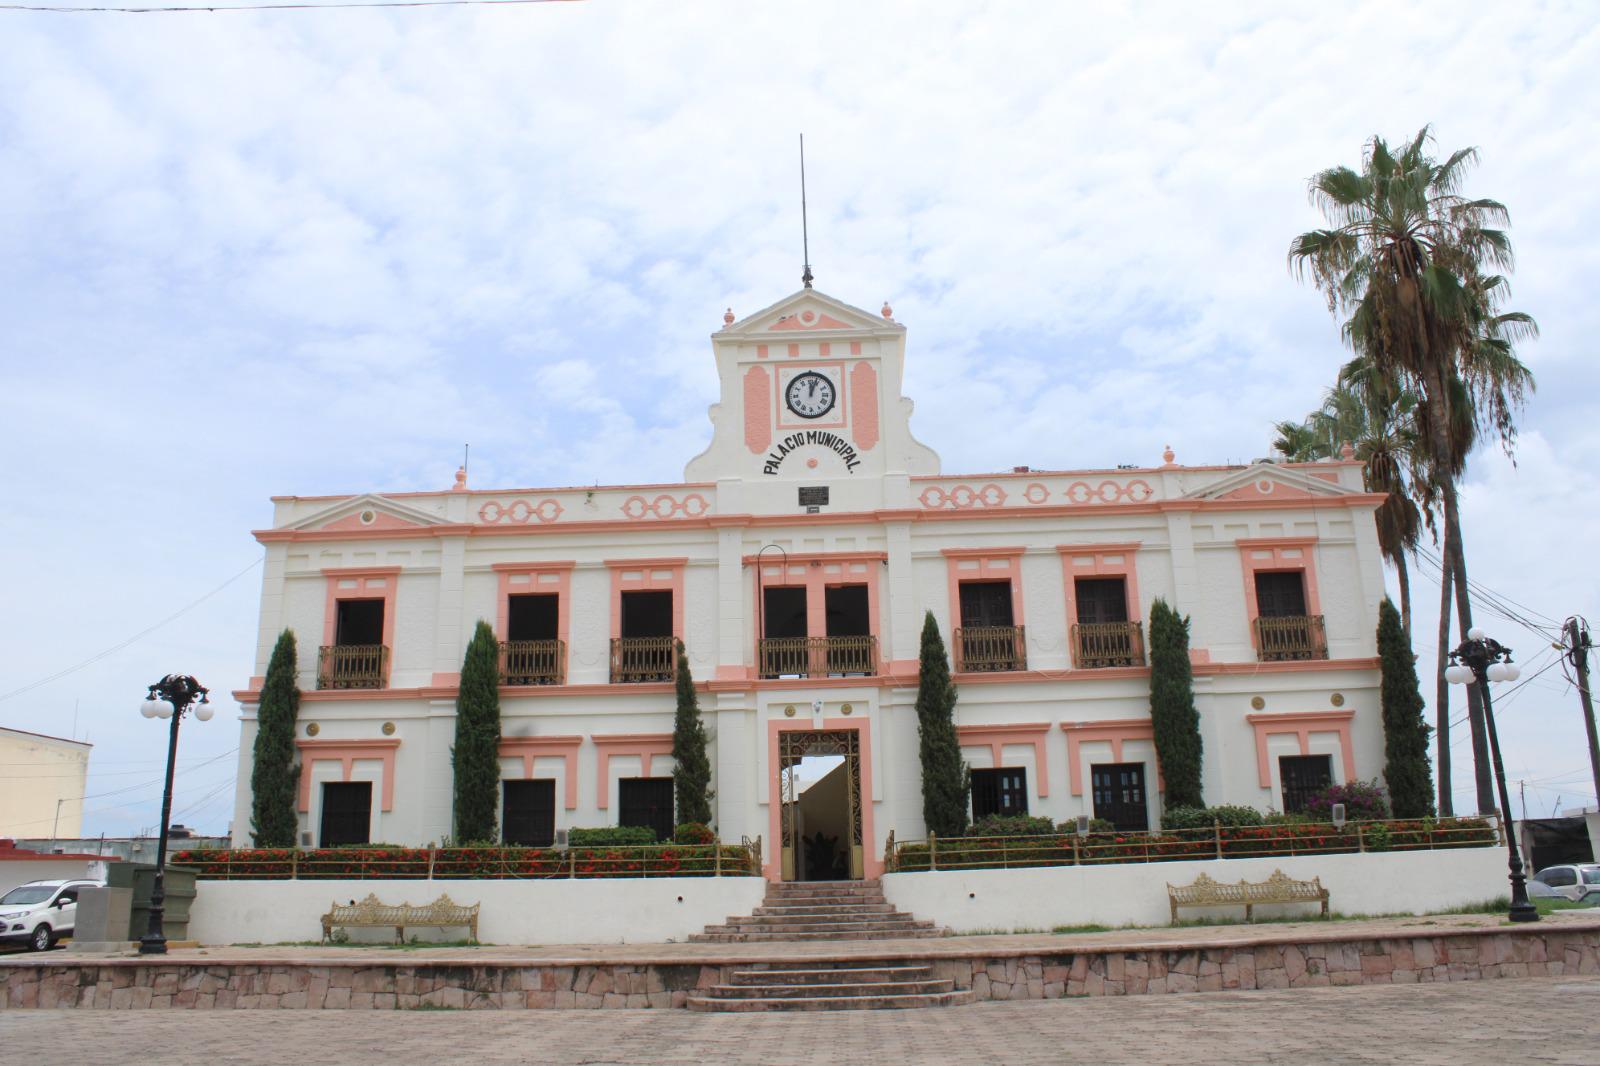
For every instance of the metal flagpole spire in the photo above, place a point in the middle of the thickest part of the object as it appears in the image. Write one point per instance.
(805, 235)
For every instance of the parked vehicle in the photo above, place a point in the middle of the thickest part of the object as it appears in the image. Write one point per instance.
(40, 913)
(1580, 881)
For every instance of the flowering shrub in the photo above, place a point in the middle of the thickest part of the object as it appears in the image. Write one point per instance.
(1015, 825)
(1237, 841)
(1363, 801)
(658, 860)
(1206, 817)
(693, 833)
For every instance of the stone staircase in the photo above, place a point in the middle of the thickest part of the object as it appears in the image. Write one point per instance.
(830, 985)
(820, 910)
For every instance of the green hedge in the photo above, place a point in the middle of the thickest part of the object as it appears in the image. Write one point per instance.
(612, 836)
(657, 860)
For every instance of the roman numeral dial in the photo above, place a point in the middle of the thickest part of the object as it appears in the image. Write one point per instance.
(810, 395)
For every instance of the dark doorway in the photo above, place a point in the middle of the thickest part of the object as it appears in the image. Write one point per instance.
(1119, 795)
(1280, 594)
(847, 611)
(1101, 599)
(1303, 776)
(528, 813)
(985, 603)
(346, 813)
(785, 611)
(358, 622)
(646, 801)
(1002, 791)
(533, 617)
(646, 614)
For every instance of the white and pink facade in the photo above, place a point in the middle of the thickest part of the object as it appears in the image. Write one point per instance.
(815, 502)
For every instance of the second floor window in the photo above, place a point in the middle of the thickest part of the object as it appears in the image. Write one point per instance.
(1103, 636)
(988, 637)
(358, 622)
(1281, 594)
(1284, 629)
(645, 649)
(533, 617)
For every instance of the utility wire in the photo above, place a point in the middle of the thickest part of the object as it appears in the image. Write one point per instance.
(174, 616)
(214, 8)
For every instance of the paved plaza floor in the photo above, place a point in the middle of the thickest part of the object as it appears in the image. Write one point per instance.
(1499, 1022)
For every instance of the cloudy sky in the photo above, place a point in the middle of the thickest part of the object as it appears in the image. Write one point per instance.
(317, 251)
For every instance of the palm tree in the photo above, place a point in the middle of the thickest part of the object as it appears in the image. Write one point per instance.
(1405, 259)
(1380, 425)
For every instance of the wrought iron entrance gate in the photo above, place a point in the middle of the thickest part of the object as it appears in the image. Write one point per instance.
(794, 746)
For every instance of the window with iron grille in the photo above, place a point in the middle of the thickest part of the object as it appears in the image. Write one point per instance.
(528, 812)
(1303, 776)
(646, 801)
(1002, 791)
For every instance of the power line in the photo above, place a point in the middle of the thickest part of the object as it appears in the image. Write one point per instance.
(215, 8)
(174, 616)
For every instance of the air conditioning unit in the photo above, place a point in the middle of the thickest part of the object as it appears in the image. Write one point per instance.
(561, 838)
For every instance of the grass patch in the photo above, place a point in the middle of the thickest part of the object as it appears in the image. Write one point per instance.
(430, 1006)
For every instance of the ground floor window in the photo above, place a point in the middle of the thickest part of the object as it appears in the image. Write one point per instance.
(1303, 776)
(346, 813)
(528, 813)
(646, 801)
(1119, 795)
(1002, 791)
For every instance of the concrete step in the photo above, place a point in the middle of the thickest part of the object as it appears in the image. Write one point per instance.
(905, 922)
(839, 991)
(935, 999)
(712, 937)
(816, 908)
(800, 974)
(896, 917)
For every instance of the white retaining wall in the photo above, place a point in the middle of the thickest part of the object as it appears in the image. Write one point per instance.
(651, 910)
(1043, 898)
(14, 872)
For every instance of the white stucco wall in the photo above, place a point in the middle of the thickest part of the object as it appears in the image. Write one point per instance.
(14, 872)
(653, 910)
(1136, 893)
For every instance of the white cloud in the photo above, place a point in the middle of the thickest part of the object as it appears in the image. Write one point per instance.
(318, 251)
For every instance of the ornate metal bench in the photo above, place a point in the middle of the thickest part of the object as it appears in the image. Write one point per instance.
(1279, 888)
(441, 913)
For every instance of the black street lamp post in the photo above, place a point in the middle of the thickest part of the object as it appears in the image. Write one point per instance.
(1480, 660)
(170, 698)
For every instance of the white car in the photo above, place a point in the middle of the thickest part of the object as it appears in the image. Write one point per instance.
(1579, 882)
(41, 912)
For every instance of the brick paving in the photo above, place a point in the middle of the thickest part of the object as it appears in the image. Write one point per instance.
(1527, 1021)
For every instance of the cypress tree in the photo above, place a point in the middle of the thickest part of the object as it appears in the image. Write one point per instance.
(1172, 714)
(945, 781)
(273, 775)
(1405, 732)
(691, 774)
(475, 756)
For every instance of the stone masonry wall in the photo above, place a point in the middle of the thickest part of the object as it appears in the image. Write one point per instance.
(147, 983)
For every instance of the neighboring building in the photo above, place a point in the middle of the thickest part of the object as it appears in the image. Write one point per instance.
(41, 784)
(814, 501)
(130, 849)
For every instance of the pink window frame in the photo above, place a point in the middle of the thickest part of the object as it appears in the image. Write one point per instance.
(810, 572)
(1259, 555)
(647, 746)
(364, 590)
(346, 752)
(996, 737)
(1109, 560)
(561, 588)
(1118, 731)
(993, 564)
(1302, 724)
(530, 748)
(646, 581)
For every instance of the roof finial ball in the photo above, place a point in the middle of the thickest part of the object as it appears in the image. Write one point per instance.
(1168, 455)
(1347, 451)
(461, 480)
(887, 312)
(727, 317)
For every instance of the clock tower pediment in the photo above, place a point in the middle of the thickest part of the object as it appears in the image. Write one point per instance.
(811, 395)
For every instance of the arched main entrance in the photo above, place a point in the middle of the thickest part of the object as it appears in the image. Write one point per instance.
(821, 832)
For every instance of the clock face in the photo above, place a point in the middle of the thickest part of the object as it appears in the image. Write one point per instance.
(810, 395)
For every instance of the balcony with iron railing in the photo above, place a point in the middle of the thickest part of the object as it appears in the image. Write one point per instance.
(533, 662)
(636, 660)
(1291, 637)
(1100, 645)
(818, 656)
(990, 649)
(352, 666)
